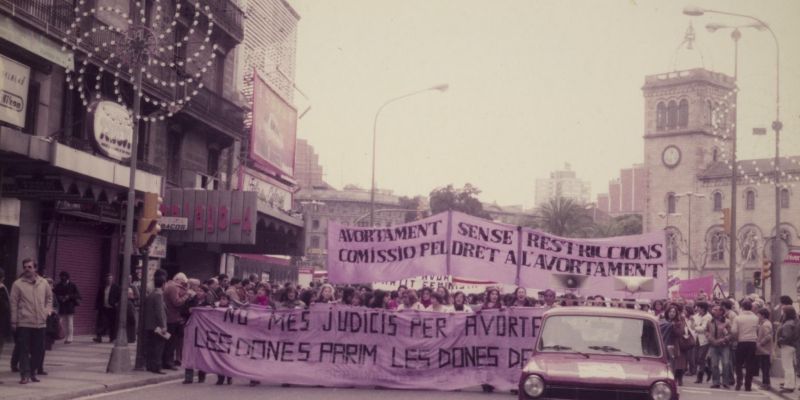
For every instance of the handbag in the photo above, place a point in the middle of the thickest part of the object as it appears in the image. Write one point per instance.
(54, 328)
(686, 341)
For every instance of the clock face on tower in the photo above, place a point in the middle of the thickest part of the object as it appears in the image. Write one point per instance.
(671, 156)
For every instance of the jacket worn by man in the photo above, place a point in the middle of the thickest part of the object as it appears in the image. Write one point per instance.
(719, 333)
(787, 333)
(31, 303)
(68, 297)
(764, 344)
(175, 297)
(155, 311)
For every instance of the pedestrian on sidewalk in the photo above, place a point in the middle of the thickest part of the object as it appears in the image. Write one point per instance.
(68, 298)
(719, 338)
(764, 346)
(176, 295)
(787, 338)
(745, 329)
(700, 321)
(155, 321)
(107, 304)
(5, 312)
(31, 302)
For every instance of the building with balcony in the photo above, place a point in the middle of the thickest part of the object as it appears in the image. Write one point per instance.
(61, 201)
(350, 206)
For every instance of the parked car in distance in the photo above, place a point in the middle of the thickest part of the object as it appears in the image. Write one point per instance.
(598, 353)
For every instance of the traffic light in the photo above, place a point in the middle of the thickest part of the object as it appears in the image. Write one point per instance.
(757, 279)
(147, 227)
(766, 269)
(726, 219)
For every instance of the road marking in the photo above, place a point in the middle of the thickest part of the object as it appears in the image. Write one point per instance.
(133, 389)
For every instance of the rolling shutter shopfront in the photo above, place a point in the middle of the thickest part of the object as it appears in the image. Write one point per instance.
(80, 252)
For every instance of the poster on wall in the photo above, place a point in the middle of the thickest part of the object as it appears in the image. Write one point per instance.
(13, 91)
(272, 137)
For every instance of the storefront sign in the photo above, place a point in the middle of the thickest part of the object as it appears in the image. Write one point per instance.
(14, 79)
(174, 223)
(158, 249)
(272, 138)
(213, 216)
(112, 129)
(9, 211)
(270, 194)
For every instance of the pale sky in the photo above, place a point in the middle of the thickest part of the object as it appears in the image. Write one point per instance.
(533, 84)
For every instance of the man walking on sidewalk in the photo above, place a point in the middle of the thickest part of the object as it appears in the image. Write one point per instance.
(31, 303)
(745, 330)
(106, 305)
(68, 298)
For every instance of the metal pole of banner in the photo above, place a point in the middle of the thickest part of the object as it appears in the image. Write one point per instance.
(449, 242)
(519, 254)
(140, 350)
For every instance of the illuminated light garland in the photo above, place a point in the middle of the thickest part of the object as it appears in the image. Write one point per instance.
(722, 131)
(76, 41)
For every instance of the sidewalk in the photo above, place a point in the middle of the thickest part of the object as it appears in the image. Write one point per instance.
(74, 370)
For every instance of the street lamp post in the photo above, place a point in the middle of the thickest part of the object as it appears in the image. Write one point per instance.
(441, 88)
(134, 44)
(690, 265)
(777, 125)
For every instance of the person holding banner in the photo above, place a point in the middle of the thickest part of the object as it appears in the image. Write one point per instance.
(289, 300)
(437, 304)
(521, 298)
(326, 294)
(442, 291)
(425, 298)
(410, 302)
(549, 299)
(460, 303)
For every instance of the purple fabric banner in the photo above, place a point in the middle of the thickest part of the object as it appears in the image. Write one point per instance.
(351, 346)
(617, 267)
(690, 288)
(359, 255)
(471, 247)
(482, 249)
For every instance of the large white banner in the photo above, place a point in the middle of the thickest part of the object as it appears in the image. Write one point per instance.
(13, 91)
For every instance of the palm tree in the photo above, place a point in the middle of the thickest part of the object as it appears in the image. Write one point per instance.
(565, 217)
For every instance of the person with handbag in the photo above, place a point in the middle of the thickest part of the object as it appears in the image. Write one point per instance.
(68, 298)
(681, 340)
(745, 330)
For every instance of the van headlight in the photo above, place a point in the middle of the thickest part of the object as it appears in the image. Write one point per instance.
(661, 391)
(533, 386)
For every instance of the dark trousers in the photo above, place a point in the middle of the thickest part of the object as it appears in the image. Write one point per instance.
(154, 350)
(764, 364)
(31, 350)
(107, 323)
(745, 358)
(175, 342)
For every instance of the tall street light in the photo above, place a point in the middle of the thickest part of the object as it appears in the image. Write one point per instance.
(775, 279)
(440, 88)
(690, 195)
(736, 34)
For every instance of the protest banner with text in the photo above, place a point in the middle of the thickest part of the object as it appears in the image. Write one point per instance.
(457, 244)
(336, 345)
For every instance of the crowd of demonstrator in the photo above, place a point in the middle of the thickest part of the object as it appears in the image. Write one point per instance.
(722, 340)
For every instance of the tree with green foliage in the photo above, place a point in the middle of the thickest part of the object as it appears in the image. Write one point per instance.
(463, 200)
(565, 217)
(413, 203)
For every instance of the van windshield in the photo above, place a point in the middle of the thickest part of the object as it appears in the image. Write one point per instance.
(600, 335)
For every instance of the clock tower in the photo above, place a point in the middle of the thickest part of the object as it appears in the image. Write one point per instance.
(685, 111)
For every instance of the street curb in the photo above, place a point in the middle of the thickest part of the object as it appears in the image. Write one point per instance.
(112, 387)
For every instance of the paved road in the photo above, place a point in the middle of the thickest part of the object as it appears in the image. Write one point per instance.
(241, 391)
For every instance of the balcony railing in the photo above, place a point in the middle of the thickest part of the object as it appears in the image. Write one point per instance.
(228, 16)
(217, 111)
(52, 16)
